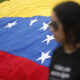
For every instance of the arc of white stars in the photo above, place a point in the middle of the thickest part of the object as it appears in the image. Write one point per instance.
(45, 26)
(33, 21)
(48, 39)
(44, 56)
(10, 25)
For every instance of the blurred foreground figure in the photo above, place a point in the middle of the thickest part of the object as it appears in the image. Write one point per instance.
(65, 26)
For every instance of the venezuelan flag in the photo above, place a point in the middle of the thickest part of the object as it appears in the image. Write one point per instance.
(25, 39)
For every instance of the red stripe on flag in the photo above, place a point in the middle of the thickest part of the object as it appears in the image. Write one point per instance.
(18, 68)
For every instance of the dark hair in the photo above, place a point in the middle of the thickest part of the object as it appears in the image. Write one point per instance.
(69, 15)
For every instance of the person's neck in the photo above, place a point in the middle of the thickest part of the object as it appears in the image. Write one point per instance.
(68, 48)
(78, 45)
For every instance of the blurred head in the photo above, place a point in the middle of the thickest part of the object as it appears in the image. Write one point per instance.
(65, 23)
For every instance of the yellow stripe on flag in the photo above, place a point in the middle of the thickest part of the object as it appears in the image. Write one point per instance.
(28, 8)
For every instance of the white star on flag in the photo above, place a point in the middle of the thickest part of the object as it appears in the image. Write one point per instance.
(11, 24)
(49, 22)
(48, 39)
(33, 21)
(44, 56)
(45, 26)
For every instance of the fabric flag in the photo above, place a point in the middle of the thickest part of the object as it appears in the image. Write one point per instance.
(26, 42)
